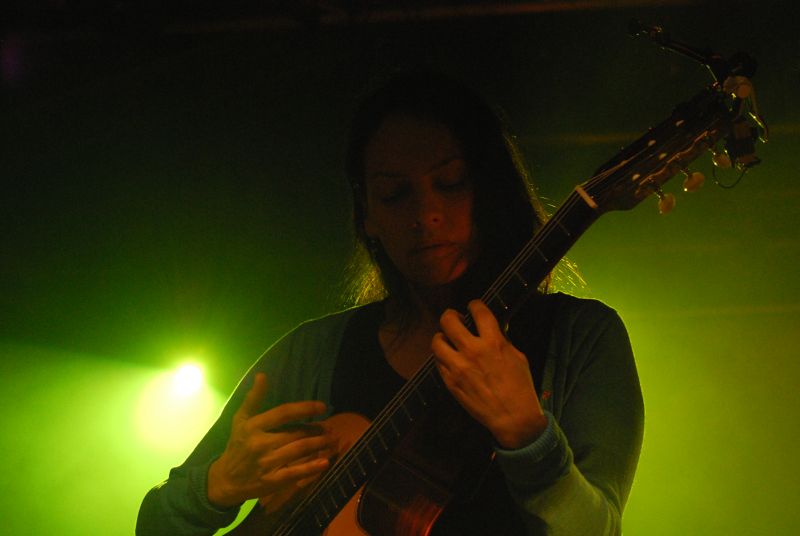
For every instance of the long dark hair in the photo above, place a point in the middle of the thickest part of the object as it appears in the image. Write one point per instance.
(506, 209)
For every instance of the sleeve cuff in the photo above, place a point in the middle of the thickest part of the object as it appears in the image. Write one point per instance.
(539, 464)
(535, 451)
(198, 483)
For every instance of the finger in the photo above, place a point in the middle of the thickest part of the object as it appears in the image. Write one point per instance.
(305, 481)
(254, 399)
(446, 355)
(485, 321)
(327, 452)
(290, 412)
(294, 453)
(454, 329)
(275, 440)
(303, 472)
(452, 382)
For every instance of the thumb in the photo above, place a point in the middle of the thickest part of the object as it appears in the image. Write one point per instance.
(254, 398)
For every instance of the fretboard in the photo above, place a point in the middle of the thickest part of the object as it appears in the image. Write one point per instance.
(506, 295)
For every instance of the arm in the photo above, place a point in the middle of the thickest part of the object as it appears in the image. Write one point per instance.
(180, 504)
(574, 472)
(577, 476)
(300, 366)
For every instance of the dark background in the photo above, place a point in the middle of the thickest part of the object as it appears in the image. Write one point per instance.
(172, 183)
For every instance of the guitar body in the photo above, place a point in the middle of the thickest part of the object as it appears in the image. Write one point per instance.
(444, 452)
(442, 459)
(268, 513)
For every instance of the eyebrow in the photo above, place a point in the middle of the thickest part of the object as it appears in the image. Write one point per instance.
(447, 161)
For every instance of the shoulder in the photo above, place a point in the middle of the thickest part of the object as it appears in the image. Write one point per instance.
(585, 309)
(573, 314)
(317, 336)
(325, 325)
(582, 327)
(301, 362)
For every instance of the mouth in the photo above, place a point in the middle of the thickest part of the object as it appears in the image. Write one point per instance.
(432, 249)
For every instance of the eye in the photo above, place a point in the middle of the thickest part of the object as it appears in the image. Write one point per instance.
(452, 183)
(393, 194)
(453, 177)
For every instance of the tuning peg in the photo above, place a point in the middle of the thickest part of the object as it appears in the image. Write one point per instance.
(721, 160)
(693, 181)
(666, 202)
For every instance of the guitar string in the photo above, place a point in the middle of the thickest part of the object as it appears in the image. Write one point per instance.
(428, 367)
(414, 383)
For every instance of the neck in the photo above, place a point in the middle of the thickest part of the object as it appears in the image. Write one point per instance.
(425, 306)
(432, 301)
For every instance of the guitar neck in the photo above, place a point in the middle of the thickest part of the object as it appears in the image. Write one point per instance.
(523, 276)
(504, 297)
(632, 175)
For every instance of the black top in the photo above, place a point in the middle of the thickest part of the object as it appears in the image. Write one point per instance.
(364, 383)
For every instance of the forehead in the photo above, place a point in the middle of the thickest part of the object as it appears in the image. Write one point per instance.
(404, 145)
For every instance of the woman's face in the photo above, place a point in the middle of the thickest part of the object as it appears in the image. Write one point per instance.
(419, 200)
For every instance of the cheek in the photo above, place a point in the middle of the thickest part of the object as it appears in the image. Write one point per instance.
(466, 221)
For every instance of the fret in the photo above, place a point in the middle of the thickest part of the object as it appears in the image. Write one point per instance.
(415, 404)
(333, 501)
(352, 480)
(369, 451)
(341, 493)
(321, 523)
(497, 298)
(360, 467)
(563, 229)
(429, 380)
(521, 279)
(408, 414)
(394, 427)
(380, 438)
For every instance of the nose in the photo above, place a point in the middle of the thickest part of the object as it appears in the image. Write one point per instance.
(429, 209)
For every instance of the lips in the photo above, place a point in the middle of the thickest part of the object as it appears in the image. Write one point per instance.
(436, 249)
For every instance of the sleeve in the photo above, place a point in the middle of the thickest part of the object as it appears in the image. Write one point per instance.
(298, 367)
(576, 477)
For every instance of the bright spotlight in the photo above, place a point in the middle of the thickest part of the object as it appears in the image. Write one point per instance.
(176, 408)
(188, 380)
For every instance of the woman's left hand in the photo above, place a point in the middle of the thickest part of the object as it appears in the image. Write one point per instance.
(489, 377)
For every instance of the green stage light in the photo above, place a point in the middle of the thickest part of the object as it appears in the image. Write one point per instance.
(188, 380)
(175, 408)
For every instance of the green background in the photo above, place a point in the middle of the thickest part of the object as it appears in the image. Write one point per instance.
(180, 194)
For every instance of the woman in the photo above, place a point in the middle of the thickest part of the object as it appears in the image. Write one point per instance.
(441, 204)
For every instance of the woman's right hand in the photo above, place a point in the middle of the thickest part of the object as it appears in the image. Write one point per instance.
(265, 455)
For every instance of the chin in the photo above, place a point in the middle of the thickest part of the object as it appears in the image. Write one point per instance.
(443, 277)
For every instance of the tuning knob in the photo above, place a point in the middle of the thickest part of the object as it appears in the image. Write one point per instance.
(693, 181)
(666, 202)
(721, 160)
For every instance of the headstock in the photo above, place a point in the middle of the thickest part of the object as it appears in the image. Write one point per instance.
(726, 110)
